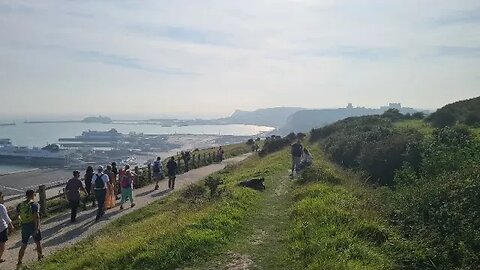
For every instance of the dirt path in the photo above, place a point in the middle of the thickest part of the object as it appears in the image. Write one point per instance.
(260, 245)
(58, 232)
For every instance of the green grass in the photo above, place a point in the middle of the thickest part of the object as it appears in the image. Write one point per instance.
(420, 125)
(333, 225)
(169, 233)
(261, 241)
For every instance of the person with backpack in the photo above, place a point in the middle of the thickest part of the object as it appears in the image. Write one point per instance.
(157, 171)
(127, 188)
(29, 217)
(172, 172)
(6, 227)
(72, 190)
(100, 187)
(297, 152)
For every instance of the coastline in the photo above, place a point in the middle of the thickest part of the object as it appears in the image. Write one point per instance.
(19, 171)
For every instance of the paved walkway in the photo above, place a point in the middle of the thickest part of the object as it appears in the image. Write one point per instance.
(58, 232)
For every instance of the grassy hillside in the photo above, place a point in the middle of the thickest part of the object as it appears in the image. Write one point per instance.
(433, 179)
(463, 112)
(186, 226)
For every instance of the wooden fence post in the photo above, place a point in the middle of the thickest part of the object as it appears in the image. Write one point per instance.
(178, 164)
(42, 193)
(149, 168)
(209, 157)
(204, 158)
(193, 161)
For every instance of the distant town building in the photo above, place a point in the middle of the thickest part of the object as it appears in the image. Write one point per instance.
(350, 106)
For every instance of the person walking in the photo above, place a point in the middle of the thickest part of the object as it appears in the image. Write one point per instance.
(157, 171)
(88, 186)
(297, 152)
(100, 187)
(29, 217)
(220, 153)
(116, 181)
(127, 189)
(72, 190)
(172, 172)
(110, 197)
(6, 227)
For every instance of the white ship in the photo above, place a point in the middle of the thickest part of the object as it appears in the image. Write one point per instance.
(96, 136)
(48, 155)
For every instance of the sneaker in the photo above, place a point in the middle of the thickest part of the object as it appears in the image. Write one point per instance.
(156, 187)
(132, 205)
(121, 207)
(2, 260)
(40, 258)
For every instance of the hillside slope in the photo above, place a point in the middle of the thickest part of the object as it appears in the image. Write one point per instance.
(464, 112)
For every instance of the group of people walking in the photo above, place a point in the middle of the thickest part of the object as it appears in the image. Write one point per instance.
(101, 187)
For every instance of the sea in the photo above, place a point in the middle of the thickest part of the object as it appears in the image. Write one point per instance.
(41, 134)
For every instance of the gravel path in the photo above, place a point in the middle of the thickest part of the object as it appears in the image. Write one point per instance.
(58, 232)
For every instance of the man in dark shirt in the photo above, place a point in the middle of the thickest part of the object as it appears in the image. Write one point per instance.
(72, 190)
(172, 171)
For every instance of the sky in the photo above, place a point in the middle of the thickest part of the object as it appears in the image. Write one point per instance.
(207, 58)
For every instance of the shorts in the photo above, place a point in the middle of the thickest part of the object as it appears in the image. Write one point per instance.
(29, 230)
(4, 236)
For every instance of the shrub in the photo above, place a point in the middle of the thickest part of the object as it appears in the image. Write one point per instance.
(212, 183)
(194, 193)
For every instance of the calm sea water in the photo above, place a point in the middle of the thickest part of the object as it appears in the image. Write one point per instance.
(42, 134)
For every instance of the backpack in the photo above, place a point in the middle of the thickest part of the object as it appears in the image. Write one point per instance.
(156, 167)
(25, 212)
(125, 182)
(99, 184)
(297, 150)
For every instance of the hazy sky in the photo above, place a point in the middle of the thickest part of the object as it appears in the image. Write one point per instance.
(207, 58)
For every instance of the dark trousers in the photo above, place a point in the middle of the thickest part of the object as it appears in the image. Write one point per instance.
(171, 181)
(100, 196)
(73, 207)
(89, 197)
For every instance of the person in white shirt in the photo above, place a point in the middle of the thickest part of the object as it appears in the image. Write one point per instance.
(100, 187)
(306, 161)
(5, 227)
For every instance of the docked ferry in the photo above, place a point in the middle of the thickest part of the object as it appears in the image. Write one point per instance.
(96, 136)
(50, 155)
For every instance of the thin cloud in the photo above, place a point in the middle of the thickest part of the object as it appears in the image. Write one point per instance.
(125, 62)
(355, 53)
(182, 34)
(457, 51)
(470, 16)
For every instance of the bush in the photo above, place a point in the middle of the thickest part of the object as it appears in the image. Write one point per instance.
(212, 184)
(194, 193)
(276, 143)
